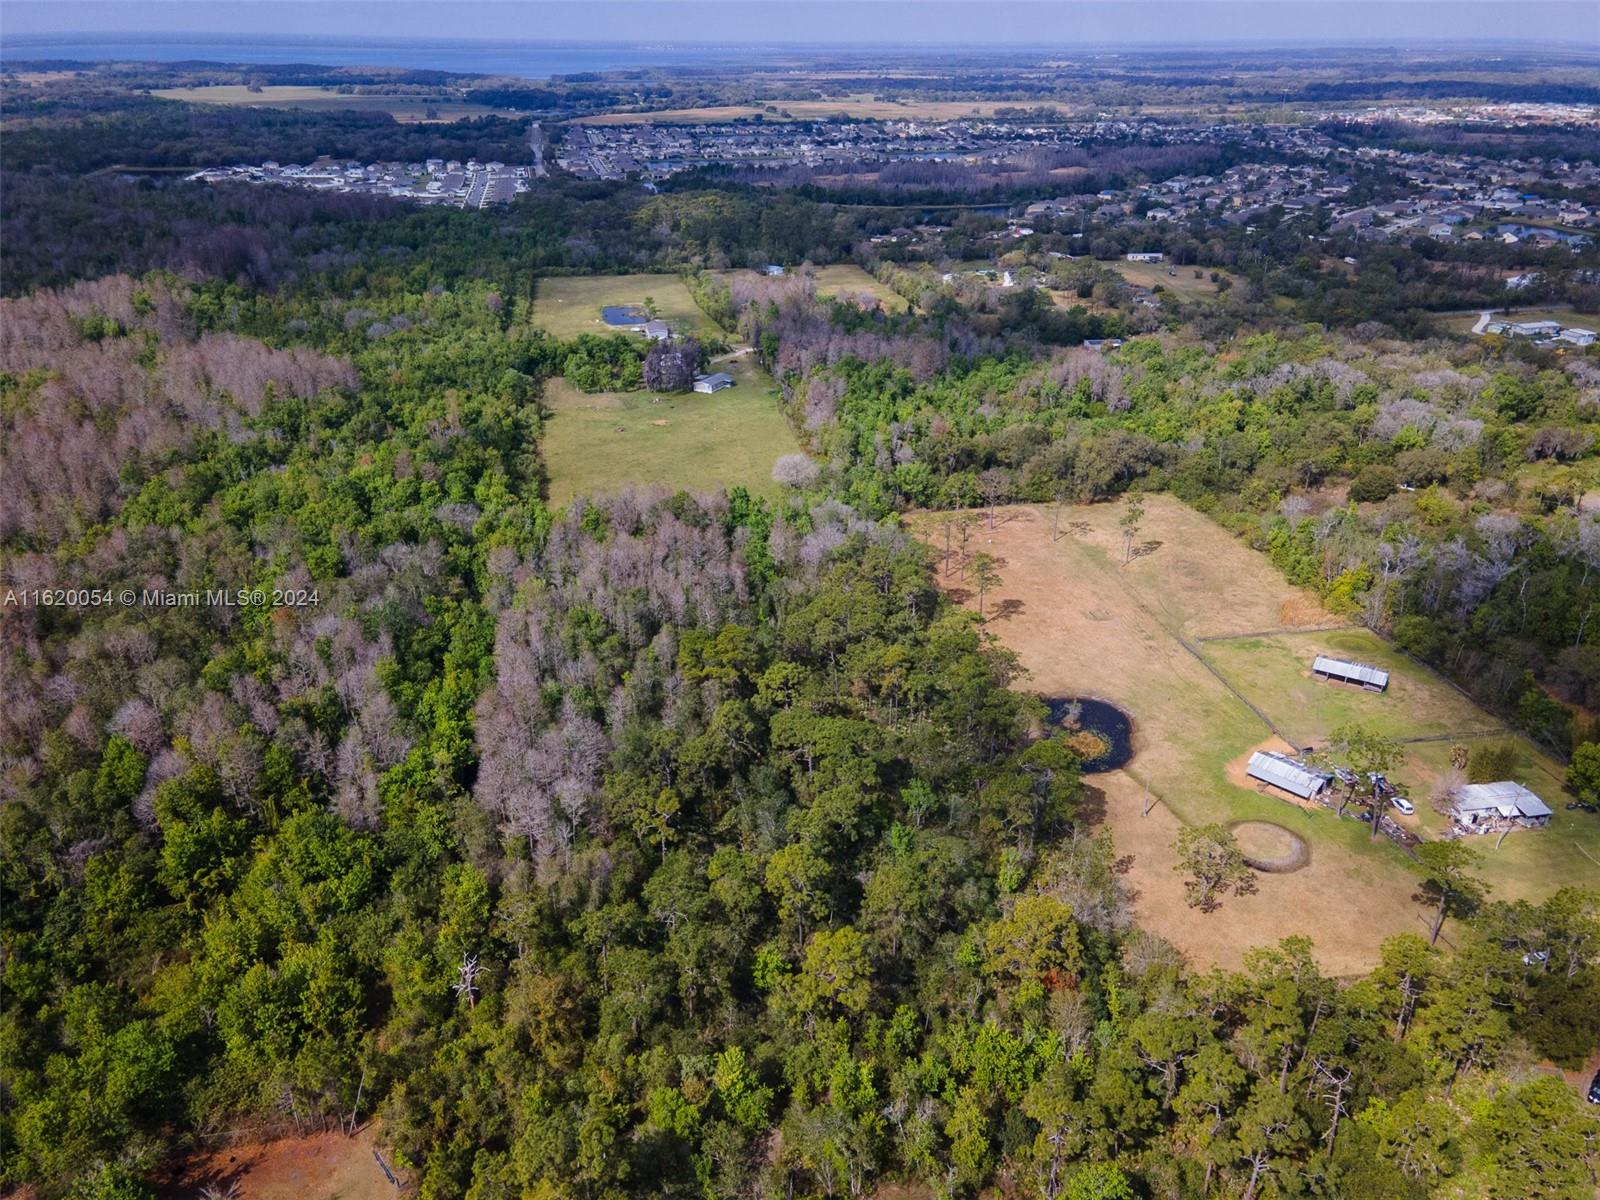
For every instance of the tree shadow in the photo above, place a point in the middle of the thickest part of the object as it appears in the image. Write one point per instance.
(960, 595)
(1091, 805)
(1145, 549)
(1005, 610)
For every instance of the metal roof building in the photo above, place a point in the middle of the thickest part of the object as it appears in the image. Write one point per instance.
(713, 383)
(1374, 679)
(1477, 803)
(1287, 773)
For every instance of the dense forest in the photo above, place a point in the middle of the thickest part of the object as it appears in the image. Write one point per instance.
(696, 845)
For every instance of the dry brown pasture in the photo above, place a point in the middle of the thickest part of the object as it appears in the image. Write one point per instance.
(1084, 623)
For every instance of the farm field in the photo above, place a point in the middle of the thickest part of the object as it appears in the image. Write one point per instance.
(567, 305)
(602, 442)
(401, 107)
(863, 107)
(1275, 672)
(1183, 285)
(1083, 623)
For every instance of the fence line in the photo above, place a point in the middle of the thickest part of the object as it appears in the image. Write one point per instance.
(1228, 637)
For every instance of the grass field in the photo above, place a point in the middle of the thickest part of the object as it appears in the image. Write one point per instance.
(1183, 285)
(1275, 672)
(567, 305)
(849, 279)
(400, 107)
(861, 106)
(599, 443)
(1083, 623)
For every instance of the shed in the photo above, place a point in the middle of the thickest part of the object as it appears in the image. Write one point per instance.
(1374, 679)
(1290, 774)
(712, 383)
(657, 331)
(1480, 806)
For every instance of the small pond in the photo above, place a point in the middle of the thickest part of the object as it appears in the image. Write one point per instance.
(623, 314)
(1101, 733)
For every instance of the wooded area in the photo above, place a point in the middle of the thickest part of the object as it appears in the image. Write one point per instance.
(695, 845)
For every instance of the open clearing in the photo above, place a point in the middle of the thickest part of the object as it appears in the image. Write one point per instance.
(1275, 672)
(1464, 322)
(322, 1166)
(401, 107)
(847, 279)
(844, 279)
(859, 107)
(1083, 623)
(567, 305)
(1183, 285)
(602, 442)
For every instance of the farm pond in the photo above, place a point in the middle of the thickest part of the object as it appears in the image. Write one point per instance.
(1100, 732)
(622, 315)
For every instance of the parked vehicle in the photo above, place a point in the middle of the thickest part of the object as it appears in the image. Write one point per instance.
(1594, 1089)
(1535, 958)
(1401, 804)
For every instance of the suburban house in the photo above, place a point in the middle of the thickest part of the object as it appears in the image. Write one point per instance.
(656, 331)
(1374, 679)
(1289, 774)
(1152, 256)
(712, 383)
(1487, 807)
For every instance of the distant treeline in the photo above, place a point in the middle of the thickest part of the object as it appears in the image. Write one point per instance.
(168, 134)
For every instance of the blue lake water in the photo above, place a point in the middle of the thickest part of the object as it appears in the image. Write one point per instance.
(1069, 714)
(622, 315)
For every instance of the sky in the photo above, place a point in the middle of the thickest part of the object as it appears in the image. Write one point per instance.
(949, 23)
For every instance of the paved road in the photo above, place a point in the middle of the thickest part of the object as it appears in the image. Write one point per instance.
(536, 144)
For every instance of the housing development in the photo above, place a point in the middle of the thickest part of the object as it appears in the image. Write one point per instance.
(469, 184)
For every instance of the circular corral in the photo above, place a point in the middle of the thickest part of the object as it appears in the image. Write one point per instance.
(1271, 847)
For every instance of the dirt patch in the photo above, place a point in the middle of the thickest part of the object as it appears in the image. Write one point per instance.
(1269, 847)
(322, 1166)
(1237, 774)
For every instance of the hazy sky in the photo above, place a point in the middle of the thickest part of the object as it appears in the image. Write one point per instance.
(857, 22)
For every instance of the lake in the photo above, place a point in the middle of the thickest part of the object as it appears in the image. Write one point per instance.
(529, 60)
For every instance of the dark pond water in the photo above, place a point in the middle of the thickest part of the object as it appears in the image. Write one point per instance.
(1106, 724)
(627, 314)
